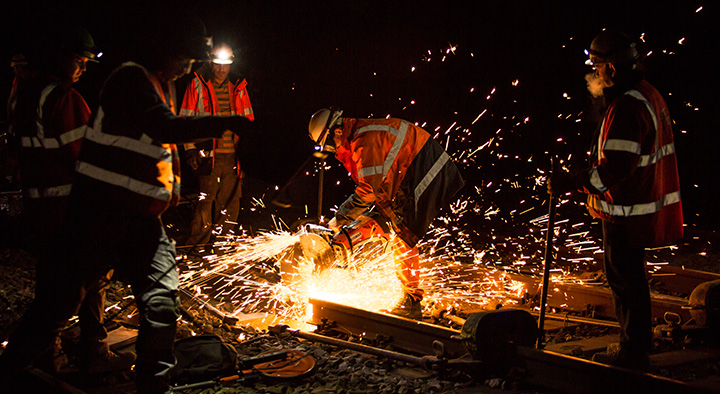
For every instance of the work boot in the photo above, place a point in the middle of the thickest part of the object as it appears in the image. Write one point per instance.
(618, 356)
(409, 308)
(96, 357)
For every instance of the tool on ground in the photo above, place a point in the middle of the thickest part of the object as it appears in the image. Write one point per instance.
(548, 261)
(282, 364)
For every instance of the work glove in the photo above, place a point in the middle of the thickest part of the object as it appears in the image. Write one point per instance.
(192, 158)
(561, 183)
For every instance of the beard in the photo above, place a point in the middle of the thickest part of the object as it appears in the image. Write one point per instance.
(594, 85)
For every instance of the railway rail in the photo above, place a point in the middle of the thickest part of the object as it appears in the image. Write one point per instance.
(494, 342)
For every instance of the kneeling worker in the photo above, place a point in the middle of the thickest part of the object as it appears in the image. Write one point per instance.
(401, 171)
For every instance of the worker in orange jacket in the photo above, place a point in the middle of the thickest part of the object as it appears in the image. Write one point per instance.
(215, 92)
(400, 170)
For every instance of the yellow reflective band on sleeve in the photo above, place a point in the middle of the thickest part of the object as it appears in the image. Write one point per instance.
(186, 112)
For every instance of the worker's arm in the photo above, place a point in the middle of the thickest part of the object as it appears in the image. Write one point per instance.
(351, 209)
(141, 108)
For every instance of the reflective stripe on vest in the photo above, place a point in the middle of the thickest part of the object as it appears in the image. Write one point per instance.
(430, 176)
(200, 102)
(49, 192)
(633, 210)
(645, 160)
(142, 146)
(39, 140)
(634, 147)
(394, 150)
(123, 181)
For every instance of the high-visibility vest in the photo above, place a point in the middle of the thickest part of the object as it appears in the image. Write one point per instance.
(50, 131)
(122, 163)
(401, 169)
(636, 130)
(200, 99)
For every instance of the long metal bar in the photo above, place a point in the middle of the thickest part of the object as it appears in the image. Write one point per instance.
(419, 361)
(547, 263)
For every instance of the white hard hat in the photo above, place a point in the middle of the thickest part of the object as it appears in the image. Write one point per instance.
(222, 54)
(320, 125)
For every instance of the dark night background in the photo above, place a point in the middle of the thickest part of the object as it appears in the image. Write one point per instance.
(359, 55)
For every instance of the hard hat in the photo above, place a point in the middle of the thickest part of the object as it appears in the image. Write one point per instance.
(611, 46)
(79, 41)
(18, 59)
(191, 40)
(222, 54)
(320, 127)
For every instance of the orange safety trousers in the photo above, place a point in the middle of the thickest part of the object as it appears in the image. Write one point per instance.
(407, 262)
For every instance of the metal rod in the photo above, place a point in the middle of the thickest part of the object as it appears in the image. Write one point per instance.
(321, 180)
(349, 345)
(547, 263)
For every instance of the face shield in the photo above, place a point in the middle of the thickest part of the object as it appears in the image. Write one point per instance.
(321, 125)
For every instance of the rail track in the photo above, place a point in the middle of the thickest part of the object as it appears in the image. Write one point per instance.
(484, 349)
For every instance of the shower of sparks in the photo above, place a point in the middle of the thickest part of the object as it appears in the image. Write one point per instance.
(255, 274)
(498, 223)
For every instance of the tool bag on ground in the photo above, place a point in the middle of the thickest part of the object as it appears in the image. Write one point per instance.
(202, 357)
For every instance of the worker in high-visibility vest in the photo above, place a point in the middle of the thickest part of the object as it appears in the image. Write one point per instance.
(216, 92)
(632, 185)
(399, 169)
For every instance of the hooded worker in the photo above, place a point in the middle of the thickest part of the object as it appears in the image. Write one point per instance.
(401, 172)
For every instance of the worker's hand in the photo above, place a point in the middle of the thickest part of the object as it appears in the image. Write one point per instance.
(192, 158)
(561, 183)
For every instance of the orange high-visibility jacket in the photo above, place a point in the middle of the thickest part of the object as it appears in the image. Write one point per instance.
(401, 169)
(200, 100)
(633, 179)
(127, 158)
